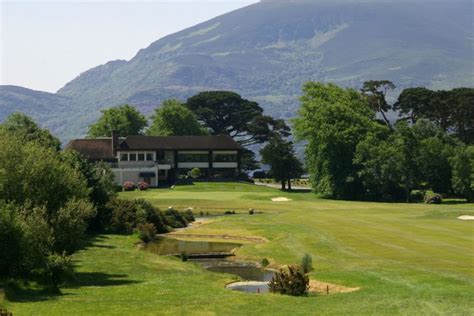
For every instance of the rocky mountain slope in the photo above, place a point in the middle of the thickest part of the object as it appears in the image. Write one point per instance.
(267, 51)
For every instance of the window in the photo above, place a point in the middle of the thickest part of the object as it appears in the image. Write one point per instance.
(149, 157)
(141, 157)
(193, 158)
(124, 157)
(133, 157)
(225, 157)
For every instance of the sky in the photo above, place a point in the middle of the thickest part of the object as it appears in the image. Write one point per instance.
(44, 45)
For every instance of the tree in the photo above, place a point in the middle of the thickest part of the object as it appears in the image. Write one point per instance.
(227, 113)
(25, 128)
(284, 165)
(463, 172)
(175, 119)
(333, 120)
(452, 111)
(125, 119)
(376, 91)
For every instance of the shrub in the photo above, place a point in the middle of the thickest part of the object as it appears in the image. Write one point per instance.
(129, 186)
(290, 280)
(11, 240)
(433, 198)
(174, 218)
(124, 216)
(146, 232)
(307, 263)
(184, 256)
(264, 262)
(194, 173)
(251, 211)
(188, 215)
(69, 224)
(143, 186)
(59, 267)
(229, 212)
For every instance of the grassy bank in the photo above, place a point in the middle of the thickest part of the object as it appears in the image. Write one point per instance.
(408, 259)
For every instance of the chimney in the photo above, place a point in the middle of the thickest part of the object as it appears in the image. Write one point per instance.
(115, 141)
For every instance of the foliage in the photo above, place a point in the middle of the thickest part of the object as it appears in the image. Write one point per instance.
(59, 267)
(432, 198)
(70, 223)
(290, 280)
(142, 186)
(284, 165)
(125, 119)
(129, 186)
(463, 172)
(452, 111)
(264, 263)
(123, 217)
(172, 118)
(23, 127)
(146, 232)
(194, 173)
(375, 92)
(36, 174)
(174, 218)
(188, 215)
(307, 263)
(11, 240)
(100, 181)
(227, 113)
(333, 120)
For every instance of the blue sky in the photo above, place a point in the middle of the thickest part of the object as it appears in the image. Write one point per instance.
(44, 45)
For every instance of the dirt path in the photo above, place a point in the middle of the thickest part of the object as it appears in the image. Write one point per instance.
(225, 236)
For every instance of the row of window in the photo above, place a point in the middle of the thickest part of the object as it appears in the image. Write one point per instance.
(136, 157)
(181, 157)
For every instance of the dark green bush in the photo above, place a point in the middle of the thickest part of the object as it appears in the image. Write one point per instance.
(124, 216)
(175, 219)
(290, 280)
(433, 198)
(188, 215)
(146, 232)
(11, 240)
(59, 267)
(264, 262)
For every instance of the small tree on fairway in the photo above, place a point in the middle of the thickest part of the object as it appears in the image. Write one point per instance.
(284, 165)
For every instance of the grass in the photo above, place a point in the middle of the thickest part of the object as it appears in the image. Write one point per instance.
(408, 259)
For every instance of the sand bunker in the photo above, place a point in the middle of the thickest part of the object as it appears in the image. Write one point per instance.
(328, 288)
(281, 199)
(314, 287)
(466, 217)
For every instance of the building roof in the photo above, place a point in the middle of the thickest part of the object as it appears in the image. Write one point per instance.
(95, 149)
(101, 148)
(221, 142)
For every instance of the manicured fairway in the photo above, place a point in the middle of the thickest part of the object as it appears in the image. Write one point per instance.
(408, 259)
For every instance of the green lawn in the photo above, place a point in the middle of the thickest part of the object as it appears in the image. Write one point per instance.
(408, 259)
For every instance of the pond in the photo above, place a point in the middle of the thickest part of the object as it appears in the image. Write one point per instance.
(212, 256)
(171, 246)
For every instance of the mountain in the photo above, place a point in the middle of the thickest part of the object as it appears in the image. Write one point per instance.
(267, 51)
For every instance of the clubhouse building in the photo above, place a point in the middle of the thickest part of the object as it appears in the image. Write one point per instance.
(162, 159)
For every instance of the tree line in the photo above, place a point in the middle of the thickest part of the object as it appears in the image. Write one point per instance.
(355, 152)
